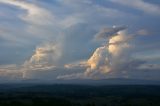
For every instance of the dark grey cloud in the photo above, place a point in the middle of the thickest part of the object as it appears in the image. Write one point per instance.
(109, 32)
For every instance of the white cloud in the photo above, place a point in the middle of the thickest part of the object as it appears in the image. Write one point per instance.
(140, 5)
(34, 14)
(37, 20)
(71, 20)
(10, 72)
(143, 32)
(44, 58)
(72, 76)
(110, 58)
(46, 53)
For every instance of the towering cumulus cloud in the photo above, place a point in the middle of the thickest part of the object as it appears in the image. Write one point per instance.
(44, 58)
(98, 61)
(47, 53)
(109, 59)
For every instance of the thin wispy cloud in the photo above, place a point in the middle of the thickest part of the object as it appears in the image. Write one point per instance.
(140, 5)
(33, 14)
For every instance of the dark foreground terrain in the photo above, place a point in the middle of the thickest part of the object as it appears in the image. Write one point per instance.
(79, 95)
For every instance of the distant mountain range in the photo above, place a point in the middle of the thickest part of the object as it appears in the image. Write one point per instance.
(111, 81)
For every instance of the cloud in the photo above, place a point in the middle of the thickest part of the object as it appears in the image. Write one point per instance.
(140, 5)
(99, 12)
(109, 32)
(34, 14)
(45, 22)
(48, 21)
(109, 58)
(118, 43)
(8, 72)
(72, 20)
(98, 62)
(46, 53)
(28, 71)
(36, 20)
(143, 32)
(75, 65)
(112, 60)
(149, 67)
(72, 76)
(13, 37)
(115, 54)
(45, 58)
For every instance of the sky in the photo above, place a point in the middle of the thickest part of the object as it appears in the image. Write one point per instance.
(79, 39)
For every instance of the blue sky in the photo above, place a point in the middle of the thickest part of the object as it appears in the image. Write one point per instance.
(39, 38)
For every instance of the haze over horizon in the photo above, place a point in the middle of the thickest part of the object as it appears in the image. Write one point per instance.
(79, 39)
